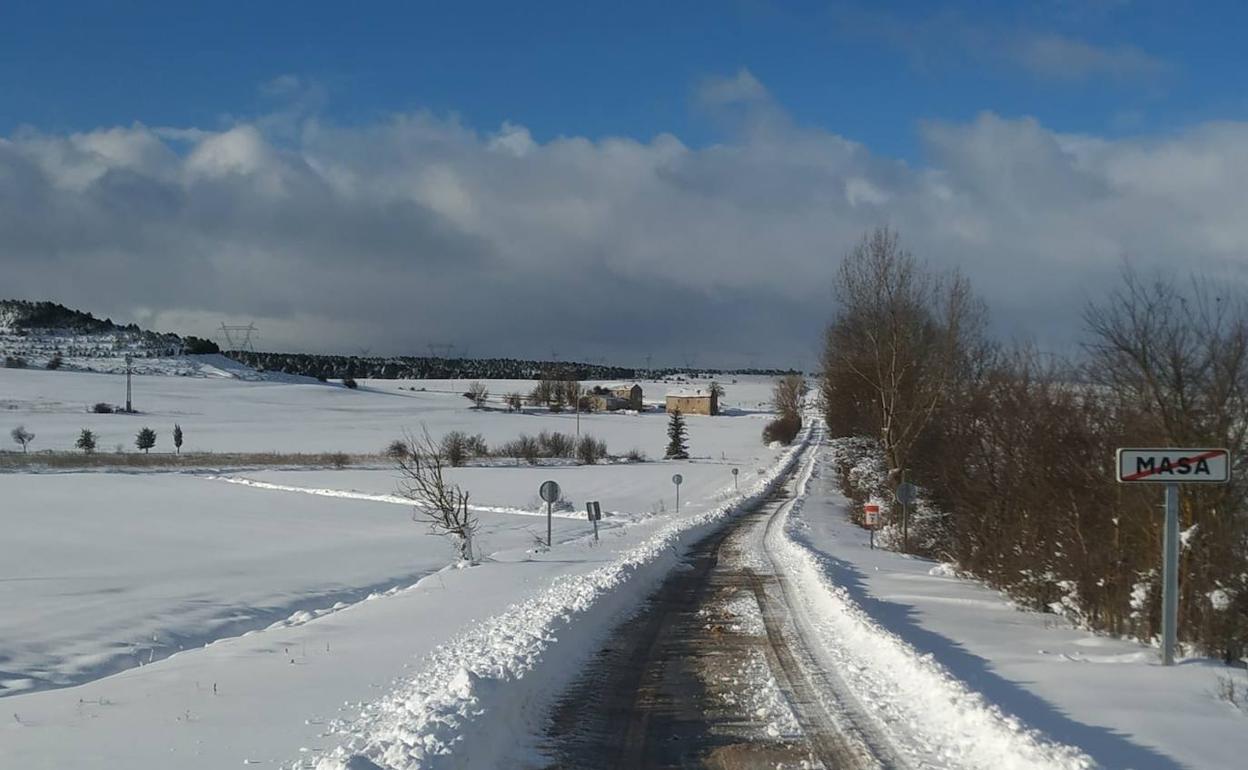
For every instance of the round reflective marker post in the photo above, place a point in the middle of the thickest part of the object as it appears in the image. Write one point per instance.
(678, 480)
(735, 485)
(550, 493)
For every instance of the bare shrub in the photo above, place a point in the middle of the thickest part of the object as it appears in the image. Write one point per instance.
(454, 448)
(786, 396)
(477, 446)
(555, 444)
(397, 449)
(477, 394)
(103, 408)
(439, 502)
(590, 450)
(339, 460)
(783, 429)
(636, 456)
(523, 448)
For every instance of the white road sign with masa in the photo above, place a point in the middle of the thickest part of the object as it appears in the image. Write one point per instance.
(1170, 465)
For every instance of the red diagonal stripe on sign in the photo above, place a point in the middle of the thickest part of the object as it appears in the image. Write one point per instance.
(1193, 459)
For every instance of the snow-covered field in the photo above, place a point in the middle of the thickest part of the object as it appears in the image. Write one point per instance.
(107, 572)
(299, 618)
(231, 415)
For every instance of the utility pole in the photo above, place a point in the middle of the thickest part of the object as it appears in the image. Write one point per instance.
(129, 372)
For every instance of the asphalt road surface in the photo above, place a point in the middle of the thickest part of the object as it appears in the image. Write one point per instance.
(715, 671)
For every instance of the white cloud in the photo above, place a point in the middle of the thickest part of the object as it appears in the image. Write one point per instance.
(742, 88)
(1065, 58)
(417, 228)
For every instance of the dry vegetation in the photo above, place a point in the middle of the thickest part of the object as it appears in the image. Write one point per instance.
(1015, 448)
(185, 461)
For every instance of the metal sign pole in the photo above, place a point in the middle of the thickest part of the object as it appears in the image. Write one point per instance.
(594, 510)
(1172, 466)
(1170, 577)
(549, 491)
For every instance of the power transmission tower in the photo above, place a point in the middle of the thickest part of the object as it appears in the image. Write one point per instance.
(649, 368)
(440, 349)
(239, 336)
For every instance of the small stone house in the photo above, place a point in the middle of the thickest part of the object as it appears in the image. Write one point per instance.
(630, 392)
(693, 401)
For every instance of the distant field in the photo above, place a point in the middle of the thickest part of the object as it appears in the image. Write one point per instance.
(115, 558)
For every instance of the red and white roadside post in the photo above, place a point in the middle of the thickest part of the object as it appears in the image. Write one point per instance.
(871, 514)
(1172, 466)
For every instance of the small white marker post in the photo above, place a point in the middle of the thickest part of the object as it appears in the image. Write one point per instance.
(1172, 466)
(677, 480)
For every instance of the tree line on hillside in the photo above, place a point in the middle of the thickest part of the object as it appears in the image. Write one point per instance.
(1014, 448)
(25, 318)
(326, 367)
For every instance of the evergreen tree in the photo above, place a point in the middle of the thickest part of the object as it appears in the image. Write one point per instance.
(177, 438)
(86, 441)
(677, 447)
(145, 440)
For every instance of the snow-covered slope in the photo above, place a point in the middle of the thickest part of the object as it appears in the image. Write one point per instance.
(33, 335)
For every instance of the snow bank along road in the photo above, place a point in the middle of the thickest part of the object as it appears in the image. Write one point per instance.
(747, 656)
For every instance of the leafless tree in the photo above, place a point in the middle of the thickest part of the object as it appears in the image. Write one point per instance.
(22, 437)
(514, 401)
(1175, 359)
(478, 393)
(439, 502)
(899, 340)
(787, 394)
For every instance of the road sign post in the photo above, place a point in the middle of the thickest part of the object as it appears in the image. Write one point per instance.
(1172, 466)
(736, 486)
(871, 514)
(678, 480)
(550, 493)
(594, 512)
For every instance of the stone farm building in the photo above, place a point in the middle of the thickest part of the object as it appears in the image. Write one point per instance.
(693, 401)
(627, 392)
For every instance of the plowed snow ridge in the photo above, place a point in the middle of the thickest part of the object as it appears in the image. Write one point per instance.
(930, 717)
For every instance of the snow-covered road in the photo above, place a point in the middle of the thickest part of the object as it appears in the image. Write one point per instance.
(669, 689)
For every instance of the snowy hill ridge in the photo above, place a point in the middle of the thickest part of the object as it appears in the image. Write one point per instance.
(50, 335)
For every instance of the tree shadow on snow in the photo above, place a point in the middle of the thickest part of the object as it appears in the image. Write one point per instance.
(1108, 747)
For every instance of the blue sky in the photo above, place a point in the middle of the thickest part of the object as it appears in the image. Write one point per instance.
(868, 72)
(514, 177)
